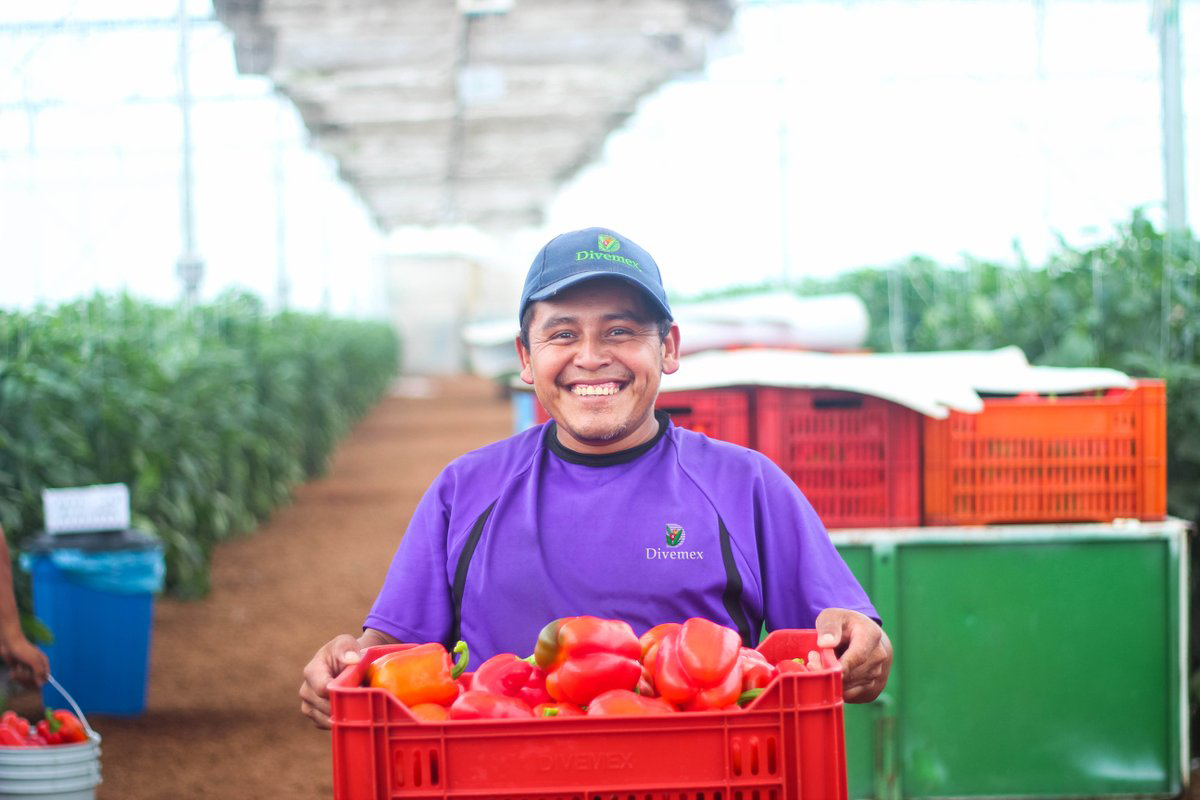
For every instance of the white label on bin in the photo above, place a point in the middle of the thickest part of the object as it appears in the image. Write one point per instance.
(86, 509)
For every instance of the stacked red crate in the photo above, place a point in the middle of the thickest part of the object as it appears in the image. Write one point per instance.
(855, 457)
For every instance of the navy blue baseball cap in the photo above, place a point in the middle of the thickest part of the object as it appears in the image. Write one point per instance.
(577, 256)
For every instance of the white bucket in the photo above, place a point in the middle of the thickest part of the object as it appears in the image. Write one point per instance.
(54, 772)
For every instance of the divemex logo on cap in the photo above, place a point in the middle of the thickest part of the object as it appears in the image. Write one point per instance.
(675, 535)
(608, 243)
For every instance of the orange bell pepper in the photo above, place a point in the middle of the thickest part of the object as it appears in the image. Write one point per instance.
(421, 674)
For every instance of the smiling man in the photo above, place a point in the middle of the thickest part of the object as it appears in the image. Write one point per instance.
(608, 509)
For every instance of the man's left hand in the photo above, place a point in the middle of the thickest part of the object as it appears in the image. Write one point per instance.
(863, 649)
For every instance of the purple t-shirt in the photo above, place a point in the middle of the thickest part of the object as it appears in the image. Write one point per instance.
(524, 531)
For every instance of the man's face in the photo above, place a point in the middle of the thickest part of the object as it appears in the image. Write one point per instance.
(595, 360)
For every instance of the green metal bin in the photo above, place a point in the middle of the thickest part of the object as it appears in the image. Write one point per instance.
(1031, 661)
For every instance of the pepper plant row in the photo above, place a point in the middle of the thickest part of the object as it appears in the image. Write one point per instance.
(211, 416)
(585, 666)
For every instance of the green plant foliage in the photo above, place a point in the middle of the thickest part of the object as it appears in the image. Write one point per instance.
(211, 417)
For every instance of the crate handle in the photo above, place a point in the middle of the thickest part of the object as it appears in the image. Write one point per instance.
(836, 403)
(74, 706)
(673, 410)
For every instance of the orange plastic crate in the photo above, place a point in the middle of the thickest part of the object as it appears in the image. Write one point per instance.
(788, 744)
(856, 458)
(719, 413)
(1050, 459)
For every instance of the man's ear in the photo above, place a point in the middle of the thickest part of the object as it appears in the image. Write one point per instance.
(526, 362)
(670, 350)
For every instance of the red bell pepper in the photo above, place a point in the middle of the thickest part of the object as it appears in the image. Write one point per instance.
(645, 685)
(586, 656)
(477, 704)
(13, 721)
(557, 710)
(650, 641)
(62, 727)
(42, 731)
(421, 674)
(697, 667)
(757, 672)
(10, 738)
(514, 677)
(799, 664)
(622, 702)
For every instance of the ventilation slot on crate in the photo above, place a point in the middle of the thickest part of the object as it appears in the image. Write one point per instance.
(415, 768)
(756, 794)
(753, 755)
(716, 794)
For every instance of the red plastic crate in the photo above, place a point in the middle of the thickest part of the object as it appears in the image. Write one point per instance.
(1050, 459)
(788, 744)
(856, 458)
(720, 413)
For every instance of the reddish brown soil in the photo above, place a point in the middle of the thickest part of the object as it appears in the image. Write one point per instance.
(222, 717)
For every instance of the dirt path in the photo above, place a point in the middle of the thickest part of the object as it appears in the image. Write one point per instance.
(222, 717)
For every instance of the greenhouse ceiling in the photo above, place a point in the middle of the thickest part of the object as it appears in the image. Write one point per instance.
(472, 112)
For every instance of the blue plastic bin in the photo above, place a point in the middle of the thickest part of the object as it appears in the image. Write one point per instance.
(522, 410)
(99, 605)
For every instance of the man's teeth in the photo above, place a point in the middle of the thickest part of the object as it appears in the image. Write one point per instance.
(608, 388)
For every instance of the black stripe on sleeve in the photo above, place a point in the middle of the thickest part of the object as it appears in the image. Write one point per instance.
(733, 587)
(460, 572)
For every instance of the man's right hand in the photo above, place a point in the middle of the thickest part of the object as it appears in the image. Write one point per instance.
(339, 653)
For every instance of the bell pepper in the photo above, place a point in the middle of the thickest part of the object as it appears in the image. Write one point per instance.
(477, 704)
(650, 641)
(430, 712)
(697, 667)
(757, 672)
(645, 685)
(63, 727)
(586, 656)
(42, 731)
(622, 702)
(799, 664)
(15, 722)
(557, 710)
(10, 738)
(421, 674)
(515, 677)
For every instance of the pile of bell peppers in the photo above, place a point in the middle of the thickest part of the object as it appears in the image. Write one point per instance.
(59, 726)
(585, 666)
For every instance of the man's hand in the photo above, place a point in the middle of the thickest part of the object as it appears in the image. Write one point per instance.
(339, 653)
(863, 649)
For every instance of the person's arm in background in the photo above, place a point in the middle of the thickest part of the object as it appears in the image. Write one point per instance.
(28, 664)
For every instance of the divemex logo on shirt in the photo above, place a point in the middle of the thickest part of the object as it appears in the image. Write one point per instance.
(675, 537)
